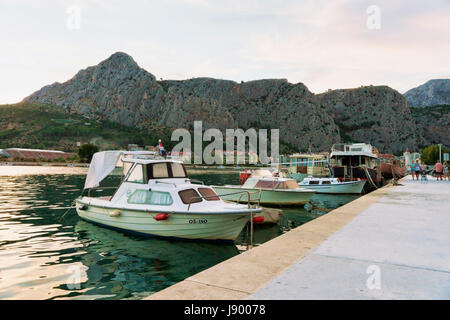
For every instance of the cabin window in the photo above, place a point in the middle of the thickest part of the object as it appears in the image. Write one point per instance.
(160, 170)
(290, 184)
(150, 197)
(268, 184)
(137, 175)
(178, 170)
(189, 196)
(326, 182)
(209, 193)
(313, 182)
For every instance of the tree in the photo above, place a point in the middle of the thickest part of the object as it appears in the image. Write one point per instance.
(431, 154)
(86, 152)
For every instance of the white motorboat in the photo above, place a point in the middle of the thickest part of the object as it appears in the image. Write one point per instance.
(333, 185)
(266, 189)
(156, 198)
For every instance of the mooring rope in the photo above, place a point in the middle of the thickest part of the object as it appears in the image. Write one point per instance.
(67, 211)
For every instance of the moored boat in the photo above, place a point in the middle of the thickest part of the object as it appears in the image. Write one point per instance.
(156, 198)
(333, 185)
(354, 161)
(266, 190)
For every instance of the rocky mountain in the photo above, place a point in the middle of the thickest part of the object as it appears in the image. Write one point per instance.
(433, 92)
(433, 124)
(118, 89)
(379, 115)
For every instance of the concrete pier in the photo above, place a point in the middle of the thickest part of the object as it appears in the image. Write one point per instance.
(393, 243)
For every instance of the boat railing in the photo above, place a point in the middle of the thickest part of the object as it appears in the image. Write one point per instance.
(228, 194)
(172, 183)
(338, 147)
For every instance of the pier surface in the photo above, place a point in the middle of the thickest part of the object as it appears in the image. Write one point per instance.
(393, 243)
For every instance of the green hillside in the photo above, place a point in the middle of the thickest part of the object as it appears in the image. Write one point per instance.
(33, 126)
(49, 127)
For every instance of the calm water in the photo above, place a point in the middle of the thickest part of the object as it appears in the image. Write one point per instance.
(44, 257)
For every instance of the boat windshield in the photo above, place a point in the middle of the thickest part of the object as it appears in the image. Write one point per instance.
(137, 174)
(189, 196)
(164, 170)
(209, 194)
(267, 184)
(289, 184)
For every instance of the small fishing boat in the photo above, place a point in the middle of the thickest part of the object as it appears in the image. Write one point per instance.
(156, 198)
(263, 188)
(333, 185)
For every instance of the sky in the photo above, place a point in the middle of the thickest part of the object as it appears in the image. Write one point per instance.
(323, 44)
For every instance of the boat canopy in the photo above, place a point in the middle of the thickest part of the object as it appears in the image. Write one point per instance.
(104, 162)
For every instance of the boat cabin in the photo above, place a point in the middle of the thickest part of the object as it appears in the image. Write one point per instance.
(355, 161)
(353, 155)
(146, 181)
(309, 164)
(270, 183)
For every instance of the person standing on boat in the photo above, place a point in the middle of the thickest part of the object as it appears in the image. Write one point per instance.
(162, 152)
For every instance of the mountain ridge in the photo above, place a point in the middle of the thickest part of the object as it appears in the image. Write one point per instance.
(117, 89)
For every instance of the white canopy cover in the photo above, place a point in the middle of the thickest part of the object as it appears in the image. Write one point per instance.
(104, 162)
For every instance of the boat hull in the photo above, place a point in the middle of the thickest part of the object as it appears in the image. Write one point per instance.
(350, 187)
(389, 170)
(208, 226)
(268, 197)
(298, 176)
(271, 215)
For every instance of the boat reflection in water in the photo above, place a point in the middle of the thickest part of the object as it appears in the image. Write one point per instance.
(126, 265)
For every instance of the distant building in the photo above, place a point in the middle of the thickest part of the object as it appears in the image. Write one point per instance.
(33, 154)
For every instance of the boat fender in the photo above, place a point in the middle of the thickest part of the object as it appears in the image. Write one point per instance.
(114, 213)
(161, 216)
(258, 219)
(84, 207)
